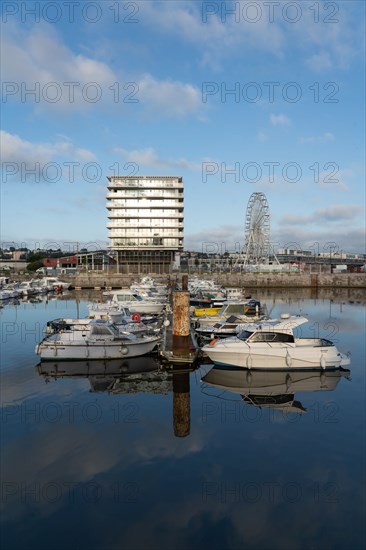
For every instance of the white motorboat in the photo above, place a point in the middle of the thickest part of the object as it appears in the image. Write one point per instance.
(5, 294)
(53, 283)
(147, 288)
(274, 389)
(273, 345)
(39, 287)
(27, 289)
(235, 293)
(9, 291)
(135, 303)
(196, 285)
(97, 339)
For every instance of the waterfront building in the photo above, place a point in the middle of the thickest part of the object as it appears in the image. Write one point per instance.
(145, 222)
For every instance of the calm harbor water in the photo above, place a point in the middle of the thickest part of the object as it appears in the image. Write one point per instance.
(121, 455)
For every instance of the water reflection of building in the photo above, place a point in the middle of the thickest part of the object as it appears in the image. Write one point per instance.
(129, 376)
(273, 389)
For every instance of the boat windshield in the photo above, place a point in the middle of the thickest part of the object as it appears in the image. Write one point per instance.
(101, 330)
(272, 337)
(137, 297)
(235, 309)
(124, 297)
(114, 329)
(244, 334)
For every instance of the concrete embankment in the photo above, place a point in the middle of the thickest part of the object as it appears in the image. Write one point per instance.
(293, 280)
(244, 280)
(260, 280)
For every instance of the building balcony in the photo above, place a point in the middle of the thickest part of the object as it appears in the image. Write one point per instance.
(162, 194)
(169, 223)
(148, 183)
(114, 234)
(145, 203)
(177, 248)
(169, 214)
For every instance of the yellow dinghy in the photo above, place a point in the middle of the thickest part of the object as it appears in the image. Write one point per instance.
(204, 311)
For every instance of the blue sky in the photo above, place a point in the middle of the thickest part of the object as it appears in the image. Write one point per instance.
(236, 97)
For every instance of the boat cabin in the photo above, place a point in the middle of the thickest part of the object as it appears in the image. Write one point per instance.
(101, 330)
(266, 336)
(125, 296)
(248, 307)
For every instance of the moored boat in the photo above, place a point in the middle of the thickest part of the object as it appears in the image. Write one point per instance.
(97, 339)
(273, 345)
(206, 311)
(244, 310)
(135, 303)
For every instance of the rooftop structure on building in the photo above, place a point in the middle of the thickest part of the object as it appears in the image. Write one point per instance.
(145, 221)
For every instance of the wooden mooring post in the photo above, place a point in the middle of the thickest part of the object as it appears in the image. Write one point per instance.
(181, 322)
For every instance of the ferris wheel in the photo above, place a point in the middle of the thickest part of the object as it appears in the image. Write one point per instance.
(257, 230)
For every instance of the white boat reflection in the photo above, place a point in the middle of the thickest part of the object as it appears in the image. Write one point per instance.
(274, 389)
(138, 374)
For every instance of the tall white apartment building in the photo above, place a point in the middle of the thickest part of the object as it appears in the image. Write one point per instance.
(145, 221)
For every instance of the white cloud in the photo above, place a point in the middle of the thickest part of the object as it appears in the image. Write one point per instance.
(280, 120)
(319, 62)
(149, 158)
(325, 138)
(215, 38)
(334, 178)
(231, 238)
(68, 81)
(262, 137)
(21, 158)
(338, 213)
(339, 223)
(351, 240)
(169, 97)
(217, 239)
(333, 41)
(321, 41)
(15, 149)
(40, 61)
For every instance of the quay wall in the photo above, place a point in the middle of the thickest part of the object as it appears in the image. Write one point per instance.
(255, 280)
(293, 280)
(95, 280)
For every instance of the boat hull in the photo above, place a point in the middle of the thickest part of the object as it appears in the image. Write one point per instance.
(283, 357)
(64, 351)
(206, 311)
(146, 308)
